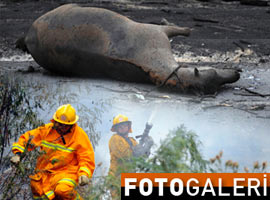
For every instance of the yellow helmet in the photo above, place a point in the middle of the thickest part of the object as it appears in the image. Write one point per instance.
(121, 119)
(66, 114)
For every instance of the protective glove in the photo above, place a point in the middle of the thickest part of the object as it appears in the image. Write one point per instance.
(83, 180)
(15, 159)
(143, 148)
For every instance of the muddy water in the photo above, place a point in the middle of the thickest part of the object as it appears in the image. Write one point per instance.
(240, 135)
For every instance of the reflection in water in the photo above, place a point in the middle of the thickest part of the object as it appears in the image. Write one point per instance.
(241, 136)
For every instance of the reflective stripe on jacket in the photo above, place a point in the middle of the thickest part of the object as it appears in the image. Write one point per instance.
(77, 155)
(119, 151)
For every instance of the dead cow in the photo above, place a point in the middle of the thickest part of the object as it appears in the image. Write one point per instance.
(85, 41)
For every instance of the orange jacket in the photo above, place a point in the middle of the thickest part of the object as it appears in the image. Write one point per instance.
(119, 150)
(77, 155)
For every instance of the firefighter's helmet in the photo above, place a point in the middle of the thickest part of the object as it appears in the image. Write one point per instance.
(66, 114)
(120, 119)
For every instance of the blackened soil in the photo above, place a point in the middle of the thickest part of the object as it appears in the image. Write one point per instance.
(218, 25)
(224, 33)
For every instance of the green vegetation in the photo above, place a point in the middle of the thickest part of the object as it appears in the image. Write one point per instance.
(15, 183)
(178, 153)
(17, 111)
(17, 115)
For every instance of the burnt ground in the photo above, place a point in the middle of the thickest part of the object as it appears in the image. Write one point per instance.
(225, 34)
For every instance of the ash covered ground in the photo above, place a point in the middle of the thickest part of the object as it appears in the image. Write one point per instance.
(225, 34)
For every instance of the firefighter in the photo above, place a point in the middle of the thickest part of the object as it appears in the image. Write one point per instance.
(122, 147)
(67, 158)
